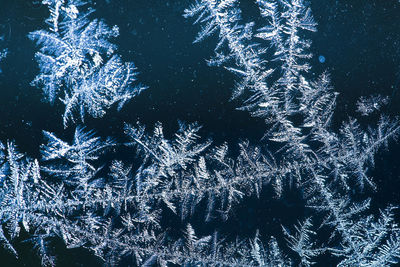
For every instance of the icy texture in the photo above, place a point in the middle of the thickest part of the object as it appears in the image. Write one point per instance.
(26, 201)
(179, 171)
(82, 207)
(367, 105)
(337, 163)
(82, 193)
(301, 242)
(73, 163)
(78, 63)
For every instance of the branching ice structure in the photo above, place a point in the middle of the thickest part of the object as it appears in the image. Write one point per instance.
(115, 209)
(78, 62)
(340, 159)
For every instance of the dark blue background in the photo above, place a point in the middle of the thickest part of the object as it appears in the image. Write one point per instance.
(359, 39)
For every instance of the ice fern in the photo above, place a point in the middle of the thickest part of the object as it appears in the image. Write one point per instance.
(78, 63)
(74, 163)
(25, 201)
(364, 240)
(118, 214)
(294, 91)
(184, 172)
(287, 20)
(267, 96)
(118, 199)
(223, 17)
(302, 243)
(339, 160)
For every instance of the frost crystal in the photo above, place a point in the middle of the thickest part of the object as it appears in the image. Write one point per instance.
(89, 195)
(78, 62)
(299, 109)
(73, 163)
(367, 105)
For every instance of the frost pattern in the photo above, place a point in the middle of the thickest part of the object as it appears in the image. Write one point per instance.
(73, 163)
(78, 62)
(25, 200)
(302, 243)
(336, 160)
(367, 105)
(223, 17)
(365, 240)
(115, 207)
(181, 172)
(82, 207)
